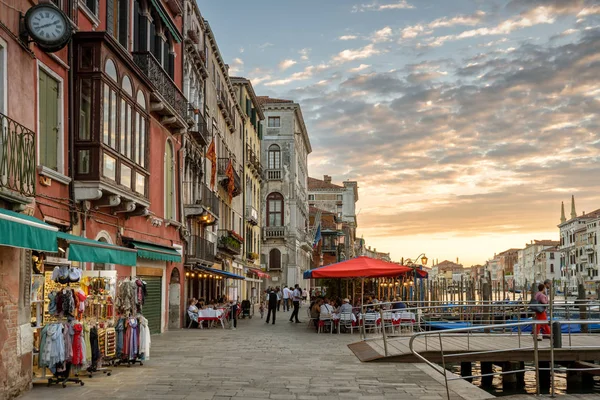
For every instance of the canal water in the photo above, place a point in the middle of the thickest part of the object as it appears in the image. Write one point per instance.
(560, 386)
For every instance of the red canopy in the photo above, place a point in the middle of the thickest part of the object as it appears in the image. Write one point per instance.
(360, 267)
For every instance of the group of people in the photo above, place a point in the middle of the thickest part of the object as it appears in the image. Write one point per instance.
(275, 297)
(195, 305)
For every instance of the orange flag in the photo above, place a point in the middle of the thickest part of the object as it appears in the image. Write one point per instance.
(230, 183)
(211, 155)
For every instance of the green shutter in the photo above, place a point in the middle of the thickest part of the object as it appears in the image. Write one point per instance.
(169, 182)
(48, 117)
(152, 308)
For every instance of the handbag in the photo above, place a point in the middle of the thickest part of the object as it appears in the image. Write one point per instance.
(536, 306)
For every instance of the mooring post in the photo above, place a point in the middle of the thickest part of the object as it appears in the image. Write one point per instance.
(521, 375)
(487, 368)
(466, 369)
(509, 381)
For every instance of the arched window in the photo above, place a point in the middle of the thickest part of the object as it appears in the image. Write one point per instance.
(126, 85)
(275, 209)
(141, 99)
(274, 259)
(274, 157)
(110, 69)
(169, 181)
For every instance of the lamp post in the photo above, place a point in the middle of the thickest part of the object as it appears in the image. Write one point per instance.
(411, 264)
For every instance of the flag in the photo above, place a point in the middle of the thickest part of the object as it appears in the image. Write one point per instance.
(317, 236)
(211, 155)
(230, 182)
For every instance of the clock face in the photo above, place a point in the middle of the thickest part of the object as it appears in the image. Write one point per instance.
(48, 26)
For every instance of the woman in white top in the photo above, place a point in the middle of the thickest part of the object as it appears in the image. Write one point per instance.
(326, 310)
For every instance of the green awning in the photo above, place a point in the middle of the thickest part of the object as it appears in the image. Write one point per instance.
(88, 250)
(167, 20)
(156, 252)
(20, 230)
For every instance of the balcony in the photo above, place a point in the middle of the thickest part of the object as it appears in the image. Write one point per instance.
(222, 164)
(274, 174)
(200, 133)
(199, 250)
(274, 232)
(251, 215)
(253, 160)
(208, 202)
(176, 6)
(17, 161)
(230, 242)
(226, 108)
(196, 50)
(167, 99)
(589, 248)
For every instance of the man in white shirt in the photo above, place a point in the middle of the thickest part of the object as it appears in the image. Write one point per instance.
(297, 298)
(286, 298)
(326, 310)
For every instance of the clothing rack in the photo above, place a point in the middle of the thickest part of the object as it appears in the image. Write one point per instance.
(64, 377)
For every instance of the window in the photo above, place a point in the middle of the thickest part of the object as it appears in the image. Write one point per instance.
(340, 197)
(274, 259)
(311, 197)
(49, 120)
(117, 20)
(111, 70)
(85, 109)
(551, 268)
(274, 157)
(274, 122)
(92, 5)
(169, 181)
(275, 209)
(3, 77)
(552, 256)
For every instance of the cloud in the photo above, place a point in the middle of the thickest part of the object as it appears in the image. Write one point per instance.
(446, 22)
(304, 54)
(348, 37)
(375, 6)
(236, 66)
(265, 45)
(361, 67)
(591, 10)
(242, 49)
(382, 35)
(285, 64)
(307, 73)
(357, 54)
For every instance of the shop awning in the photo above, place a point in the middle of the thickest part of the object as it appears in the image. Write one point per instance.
(259, 273)
(88, 250)
(156, 252)
(164, 16)
(20, 230)
(222, 273)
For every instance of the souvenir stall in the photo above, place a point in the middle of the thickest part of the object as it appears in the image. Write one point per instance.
(74, 311)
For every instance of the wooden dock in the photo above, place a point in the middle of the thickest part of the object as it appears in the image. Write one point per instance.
(492, 348)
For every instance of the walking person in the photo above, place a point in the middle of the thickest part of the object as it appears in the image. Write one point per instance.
(272, 304)
(279, 298)
(540, 314)
(297, 298)
(286, 298)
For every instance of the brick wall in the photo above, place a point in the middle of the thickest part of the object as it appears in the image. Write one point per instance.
(15, 352)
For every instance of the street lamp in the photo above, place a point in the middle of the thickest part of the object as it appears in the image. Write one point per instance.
(410, 263)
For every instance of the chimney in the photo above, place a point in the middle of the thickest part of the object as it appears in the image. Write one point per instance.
(327, 178)
(374, 250)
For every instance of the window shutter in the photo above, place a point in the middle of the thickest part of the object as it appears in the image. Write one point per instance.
(124, 23)
(171, 69)
(110, 17)
(153, 39)
(253, 118)
(137, 29)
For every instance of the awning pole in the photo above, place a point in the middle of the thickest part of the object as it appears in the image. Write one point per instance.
(362, 305)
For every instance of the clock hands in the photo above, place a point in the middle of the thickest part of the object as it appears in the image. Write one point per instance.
(50, 24)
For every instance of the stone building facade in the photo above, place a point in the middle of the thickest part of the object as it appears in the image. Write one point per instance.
(287, 244)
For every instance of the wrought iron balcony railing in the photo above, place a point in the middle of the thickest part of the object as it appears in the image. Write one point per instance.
(167, 89)
(222, 164)
(210, 201)
(229, 242)
(200, 132)
(17, 159)
(226, 108)
(200, 249)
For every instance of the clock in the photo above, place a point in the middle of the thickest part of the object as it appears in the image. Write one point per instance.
(48, 27)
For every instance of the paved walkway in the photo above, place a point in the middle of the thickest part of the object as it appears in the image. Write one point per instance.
(259, 361)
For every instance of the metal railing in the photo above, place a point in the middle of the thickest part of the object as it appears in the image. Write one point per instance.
(200, 132)
(200, 249)
(252, 214)
(210, 201)
(229, 242)
(444, 357)
(162, 81)
(226, 108)
(17, 160)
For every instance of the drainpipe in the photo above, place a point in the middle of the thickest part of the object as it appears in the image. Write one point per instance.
(71, 134)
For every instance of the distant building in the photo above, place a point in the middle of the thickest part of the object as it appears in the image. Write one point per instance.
(361, 249)
(445, 271)
(329, 248)
(287, 245)
(340, 200)
(547, 265)
(526, 259)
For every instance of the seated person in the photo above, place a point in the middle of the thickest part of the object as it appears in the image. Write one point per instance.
(326, 310)
(398, 305)
(193, 309)
(346, 307)
(315, 310)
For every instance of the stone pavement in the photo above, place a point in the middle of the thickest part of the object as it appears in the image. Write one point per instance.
(259, 361)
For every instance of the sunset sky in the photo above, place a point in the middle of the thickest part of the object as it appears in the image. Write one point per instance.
(465, 122)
